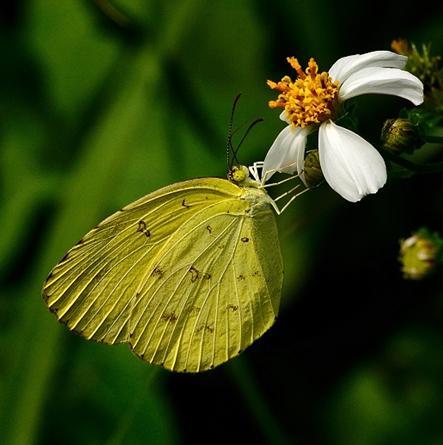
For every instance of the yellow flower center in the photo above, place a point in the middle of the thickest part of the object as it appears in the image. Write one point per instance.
(308, 100)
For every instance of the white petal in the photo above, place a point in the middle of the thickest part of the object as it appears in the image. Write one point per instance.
(283, 117)
(350, 165)
(383, 81)
(300, 154)
(286, 151)
(346, 66)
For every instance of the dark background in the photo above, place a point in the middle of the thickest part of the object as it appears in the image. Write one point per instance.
(102, 103)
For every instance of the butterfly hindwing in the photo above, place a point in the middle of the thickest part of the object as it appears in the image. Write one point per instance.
(203, 305)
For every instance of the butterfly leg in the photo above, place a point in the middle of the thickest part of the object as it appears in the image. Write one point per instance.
(267, 173)
(287, 193)
(280, 211)
(253, 169)
(273, 184)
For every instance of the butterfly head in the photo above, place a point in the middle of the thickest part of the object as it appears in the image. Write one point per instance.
(239, 174)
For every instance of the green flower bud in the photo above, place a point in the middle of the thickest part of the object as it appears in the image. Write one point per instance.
(312, 171)
(420, 254)
(401, 136)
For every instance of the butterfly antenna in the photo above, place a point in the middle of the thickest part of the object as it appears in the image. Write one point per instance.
(251, 126)
(229, 148)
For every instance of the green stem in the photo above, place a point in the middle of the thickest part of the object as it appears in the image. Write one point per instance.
(127, 418)
(434, 139)
(243, 376)
(413, 166)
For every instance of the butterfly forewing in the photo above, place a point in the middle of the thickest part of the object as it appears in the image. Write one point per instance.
(93, 288)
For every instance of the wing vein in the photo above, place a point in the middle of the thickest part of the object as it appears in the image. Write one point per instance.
(100, 293)
(186, 267)
(164, 252)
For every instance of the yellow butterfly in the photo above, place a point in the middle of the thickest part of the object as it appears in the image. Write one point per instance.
(188, 276)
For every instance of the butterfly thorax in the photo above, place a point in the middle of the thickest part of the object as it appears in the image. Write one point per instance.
(252, 191)
(258, 199)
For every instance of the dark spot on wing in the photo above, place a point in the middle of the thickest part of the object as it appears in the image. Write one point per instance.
(195, 309)
(195, 274)
(206, 327)
(209, 229)
(206, 276)
(143, 229)
(141, 226)
(232, 307)
(157, 272)
(245, 239)
(241, 277)
(171, 317)
(184, 204)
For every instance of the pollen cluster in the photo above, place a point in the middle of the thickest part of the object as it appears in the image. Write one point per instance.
(308, 100)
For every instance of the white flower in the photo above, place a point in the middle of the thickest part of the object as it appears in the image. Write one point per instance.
(350, 164)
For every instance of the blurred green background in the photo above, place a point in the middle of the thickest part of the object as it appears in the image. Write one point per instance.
(104, 102)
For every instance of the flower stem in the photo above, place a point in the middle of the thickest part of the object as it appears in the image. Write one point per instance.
(128, 417)
(434, 139)
(413, 166)
(243, 376)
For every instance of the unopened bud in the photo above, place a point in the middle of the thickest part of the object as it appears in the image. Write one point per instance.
(401, 136)
(420, 254)
(312, 171)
